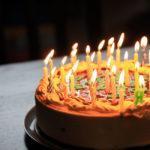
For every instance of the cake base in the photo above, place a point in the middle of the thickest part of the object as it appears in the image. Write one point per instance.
(92, 131)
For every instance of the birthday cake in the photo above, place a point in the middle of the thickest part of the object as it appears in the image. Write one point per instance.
(103, 104)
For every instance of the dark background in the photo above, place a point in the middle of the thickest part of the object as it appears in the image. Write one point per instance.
(29, 29)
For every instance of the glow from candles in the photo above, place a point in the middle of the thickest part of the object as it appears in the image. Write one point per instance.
(141, 81)
(137, 46)
(101, 44)
(88, 49)
(49, 56)
(121, 78)
(114, 69)
(144, 41)
(121, 39)
(111, 41)
(112, 48)
(94, 76)
(64, 60)
(92, 56)
(126, 55)
(75, 46)
(73, 52)
(75, 66)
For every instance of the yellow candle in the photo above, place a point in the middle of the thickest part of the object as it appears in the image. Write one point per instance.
(73, 53)
(99, 55)
(121, 91)
(111, 54)
(119, 44)
(136, 75)
(113, 82)
(67, 91)
(136, 49)
(126, 69)
(110, 42)
(62, 71)
(88, 54)
(93, 86)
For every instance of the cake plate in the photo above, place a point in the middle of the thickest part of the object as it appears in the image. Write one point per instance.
(34, 132)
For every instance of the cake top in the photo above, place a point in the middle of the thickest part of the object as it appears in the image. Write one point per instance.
(99, 86)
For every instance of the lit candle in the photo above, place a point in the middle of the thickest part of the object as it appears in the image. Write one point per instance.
(93, 86)
(90, 67)
(45, 69)
(136, 49)
(119, 44)
(111, 53)
(88, 54)
(62, 71)
(139, 93)
(113, 82)
(121, 91)
(127, 79)
(73, 53)
(144, 42)
(99, 55)
(107, 76)
(136, 75)
(51, 83)
(110, 42)
(51, 54)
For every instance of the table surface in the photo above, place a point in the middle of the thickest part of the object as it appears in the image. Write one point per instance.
(17, 86)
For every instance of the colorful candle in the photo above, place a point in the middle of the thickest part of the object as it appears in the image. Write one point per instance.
(139, 93)
(67, 87)
(126, 69)
(62, 70)
(88, 54)
(113, 82)
(51, 54)
(136, 49)
(110, 42)
(111, 53)
(121, 91)
(144, 42)
(73, 53)
(119, 44)
(99, 55)
(136, 75)
(93, 86)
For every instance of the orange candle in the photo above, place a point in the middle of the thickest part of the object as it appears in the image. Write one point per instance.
(111, 54)
(113, 82)
(62, 71)
(90, 67)
(110, 42)
(99, 55)
(119, 44)
(121, 91)
(136, 49)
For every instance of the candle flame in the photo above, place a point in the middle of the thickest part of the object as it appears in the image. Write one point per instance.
(137, 46)
(121, 39)
(126, 55)
(92, 56)
(114, 69)
(75, 46)
(121, 78)
(75, 66)
(137, 65)
(49, 56)
(101, 44)
(111, 41)
(109, 62)
(112, 48)
(141, 81)
(88, 49)
(68, 76)
(94, 76)
(64, 60)
(53, 71)
(73, 52)
(144, 41)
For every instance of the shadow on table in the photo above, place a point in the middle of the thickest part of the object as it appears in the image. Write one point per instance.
(30, 144)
